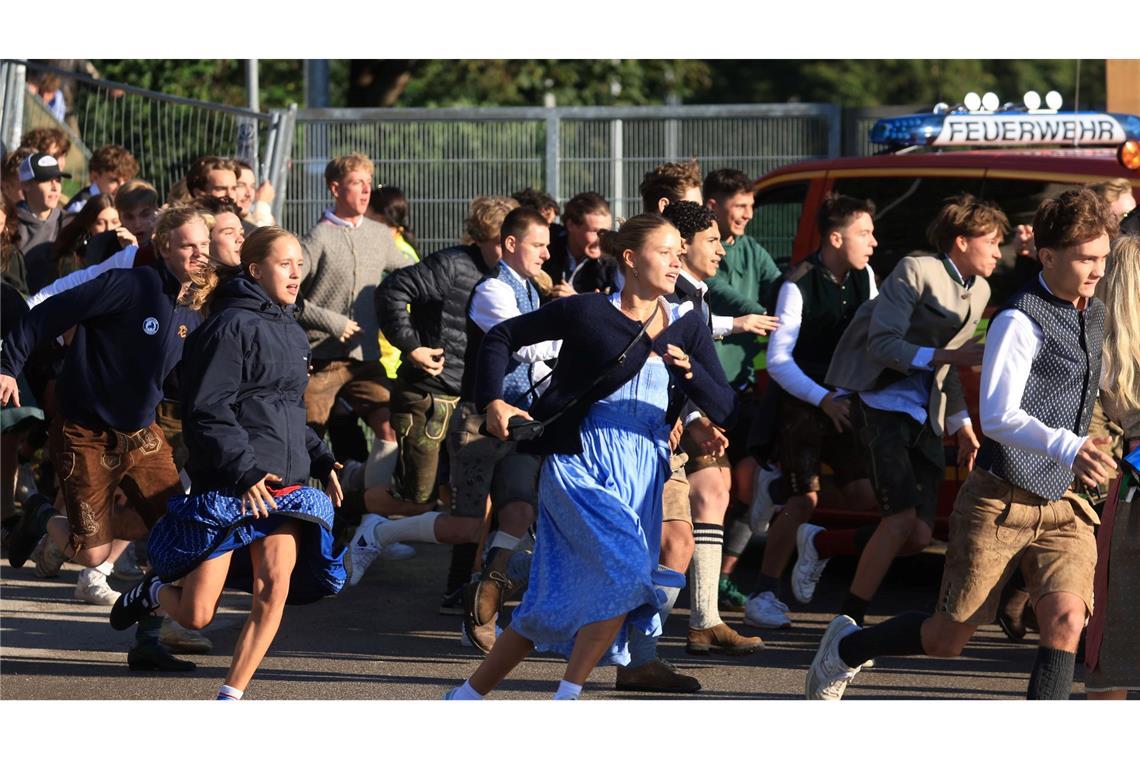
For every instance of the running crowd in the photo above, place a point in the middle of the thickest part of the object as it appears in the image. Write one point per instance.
(195, 400)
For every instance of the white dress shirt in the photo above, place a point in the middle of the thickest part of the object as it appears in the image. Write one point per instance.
(331, 218)
(1012, 344)
(782, 342)
(493, 302)
(911, 395)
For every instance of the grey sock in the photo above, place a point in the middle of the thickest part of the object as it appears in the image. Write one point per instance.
(1052, 676)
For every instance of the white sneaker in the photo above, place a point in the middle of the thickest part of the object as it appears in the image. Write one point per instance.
(763, 509)
(92, 588)
(394, 550)
(127, 567)
(828, 676)
(764, 610)
(397, 551)
(808, 567)
(363, 549)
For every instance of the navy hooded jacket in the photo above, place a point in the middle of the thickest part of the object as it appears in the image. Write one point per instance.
(244, 374)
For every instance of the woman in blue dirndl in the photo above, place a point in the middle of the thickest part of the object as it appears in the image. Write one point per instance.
(594, 572)
(249, 522)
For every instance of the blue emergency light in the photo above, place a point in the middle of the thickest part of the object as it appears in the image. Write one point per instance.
(963, 128)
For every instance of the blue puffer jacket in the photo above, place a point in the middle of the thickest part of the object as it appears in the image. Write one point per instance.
(244, 374)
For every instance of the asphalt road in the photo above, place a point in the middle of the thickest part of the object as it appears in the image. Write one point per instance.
(385, 639)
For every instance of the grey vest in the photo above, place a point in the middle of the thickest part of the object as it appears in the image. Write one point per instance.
(1061, 389)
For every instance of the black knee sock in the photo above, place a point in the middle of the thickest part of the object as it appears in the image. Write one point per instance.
(900, 636)
(1052, 676)
(855, 608)
(462, 560)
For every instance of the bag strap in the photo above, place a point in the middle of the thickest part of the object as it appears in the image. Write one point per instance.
(601, 375)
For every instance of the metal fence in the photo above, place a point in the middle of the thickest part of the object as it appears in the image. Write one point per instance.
(164, 133)
(442, 158)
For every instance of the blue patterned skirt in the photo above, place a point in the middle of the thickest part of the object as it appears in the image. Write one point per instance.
(206, 525)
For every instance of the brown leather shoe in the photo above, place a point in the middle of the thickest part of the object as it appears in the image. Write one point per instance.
(482, 637)
(722, 639)
(489, 591)
(656, 675)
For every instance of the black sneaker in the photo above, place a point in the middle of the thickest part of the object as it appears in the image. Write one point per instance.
(151, 655)
(133, 606)
(25, 536)
(452, 603)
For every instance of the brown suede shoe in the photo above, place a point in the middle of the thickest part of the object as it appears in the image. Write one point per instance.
(656, 675)
(722, 639)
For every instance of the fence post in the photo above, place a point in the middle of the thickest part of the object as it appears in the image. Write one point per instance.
(553, 149)
(617, 150)
(279, 166)
(834, 131)
(14, 78)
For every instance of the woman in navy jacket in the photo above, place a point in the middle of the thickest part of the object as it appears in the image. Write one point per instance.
(626, 365)
(248, 522)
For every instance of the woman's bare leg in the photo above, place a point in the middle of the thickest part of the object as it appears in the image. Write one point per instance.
(194, 604)
(590, 644)
(273, 559)
(508, 651)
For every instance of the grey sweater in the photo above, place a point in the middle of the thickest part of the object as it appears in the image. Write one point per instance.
(36, 237)
(343, 266)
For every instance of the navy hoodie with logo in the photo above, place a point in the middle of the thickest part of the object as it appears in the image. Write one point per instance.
(129, 339)
(243, 375)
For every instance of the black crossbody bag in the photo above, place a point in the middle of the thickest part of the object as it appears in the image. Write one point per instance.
(522, 429)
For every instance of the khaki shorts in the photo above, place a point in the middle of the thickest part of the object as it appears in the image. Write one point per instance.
(92, 462)
(996, 527)
(697, 460)
(364, 385)
(675, 497)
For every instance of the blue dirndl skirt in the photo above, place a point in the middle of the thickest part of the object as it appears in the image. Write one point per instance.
(206, 525)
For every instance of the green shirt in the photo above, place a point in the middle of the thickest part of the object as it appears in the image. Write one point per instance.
(747, 279)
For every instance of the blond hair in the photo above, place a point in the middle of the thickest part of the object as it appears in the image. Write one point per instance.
(1120, 291)
(1111, 189)
(485, 220)
(339, 167)
(201, 283)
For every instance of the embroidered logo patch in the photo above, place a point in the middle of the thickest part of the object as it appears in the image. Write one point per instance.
(150, 326)
(182, 331)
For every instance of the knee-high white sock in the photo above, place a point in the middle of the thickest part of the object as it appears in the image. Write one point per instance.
(705, 575)
(418, 528)
(381, 462)
(567, 690)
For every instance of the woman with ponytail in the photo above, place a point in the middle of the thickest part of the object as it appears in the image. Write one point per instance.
(249, 521)
(626, 365)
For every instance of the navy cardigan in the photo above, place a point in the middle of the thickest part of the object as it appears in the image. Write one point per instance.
(593, 335)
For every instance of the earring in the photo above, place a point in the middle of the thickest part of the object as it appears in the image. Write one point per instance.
(635, 274)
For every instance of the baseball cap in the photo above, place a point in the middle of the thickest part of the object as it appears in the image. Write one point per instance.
(40, 167)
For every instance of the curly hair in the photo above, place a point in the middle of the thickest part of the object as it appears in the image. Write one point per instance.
(116, 160)
(689, 218)
(201, 282)
(1120, 291)
(43, 138)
